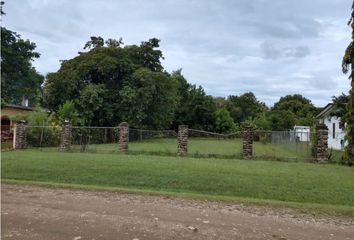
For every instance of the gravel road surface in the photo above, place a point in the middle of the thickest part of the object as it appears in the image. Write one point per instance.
(30, 212)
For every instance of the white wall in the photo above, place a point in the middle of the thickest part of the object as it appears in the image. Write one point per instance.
(336, 141)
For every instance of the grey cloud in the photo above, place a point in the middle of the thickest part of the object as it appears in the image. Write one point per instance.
(322, 82)
(272, 50)
(297, 52)
(298, 28)
(301, 51)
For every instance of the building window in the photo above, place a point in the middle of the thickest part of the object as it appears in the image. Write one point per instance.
(334, 130)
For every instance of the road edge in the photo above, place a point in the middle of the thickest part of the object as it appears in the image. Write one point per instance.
(304, 208)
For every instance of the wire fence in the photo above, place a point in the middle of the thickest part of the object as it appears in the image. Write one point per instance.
(156, 142)
(278, 145)
(46, 137)
(210, 144)
(95, 139)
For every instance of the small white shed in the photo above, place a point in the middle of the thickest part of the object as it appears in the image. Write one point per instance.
(302, 133)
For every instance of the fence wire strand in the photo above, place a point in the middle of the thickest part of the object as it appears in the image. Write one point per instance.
(95, 139)
(266, 144)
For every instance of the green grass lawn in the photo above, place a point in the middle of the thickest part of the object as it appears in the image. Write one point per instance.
(208, 147)
(223, 178)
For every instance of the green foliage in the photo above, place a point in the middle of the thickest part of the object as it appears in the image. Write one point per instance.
(91, 103)
(281, 120)
(245, 106)
(261, 122)
(37, 118)
(18, 77)
(196, 108)
(43, 136)
(149, 100)
(348, 156)
(220, 102)
(348, 63)
(340, 104)
(67, 111)
(292, 110)
(224, 123)
(94, 42)
(112, 83)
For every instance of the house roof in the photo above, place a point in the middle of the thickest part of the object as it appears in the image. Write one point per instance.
(326, 110)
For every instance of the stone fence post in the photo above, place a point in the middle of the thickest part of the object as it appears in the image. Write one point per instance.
(247, 135)
(123, 137)
(182, 139)
(20, 140)
(322, 143)
(65, 138)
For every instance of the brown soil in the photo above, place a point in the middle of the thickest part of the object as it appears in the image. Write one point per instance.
(46, 213)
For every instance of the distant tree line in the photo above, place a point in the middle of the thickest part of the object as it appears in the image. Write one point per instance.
(111, 82)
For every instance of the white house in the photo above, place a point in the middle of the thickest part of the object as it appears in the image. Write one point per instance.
(335, 130)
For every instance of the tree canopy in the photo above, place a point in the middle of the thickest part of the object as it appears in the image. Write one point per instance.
(292, 110)
(18, 77)
(196, 108)
(111, 83)
(348, 64)
(245, 106)
(224, 122)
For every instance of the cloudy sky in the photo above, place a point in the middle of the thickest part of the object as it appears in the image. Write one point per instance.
(269, 47)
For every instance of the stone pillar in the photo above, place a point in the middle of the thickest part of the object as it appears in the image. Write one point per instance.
(20, 140)
(65, 138)
(247, 135)
(182, 139)
(123, 137)
(322, 143)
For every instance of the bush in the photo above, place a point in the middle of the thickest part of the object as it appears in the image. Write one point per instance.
(43, 136)
(39, 132)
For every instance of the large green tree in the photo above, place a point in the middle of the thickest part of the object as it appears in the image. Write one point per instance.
(111, 83)
(244, 107)
(348, 64)
(150, 99)
(281, 120)
(196, 108)
(18, 77)
(292, 110)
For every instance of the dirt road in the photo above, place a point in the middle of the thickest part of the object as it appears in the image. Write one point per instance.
(44, 213)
